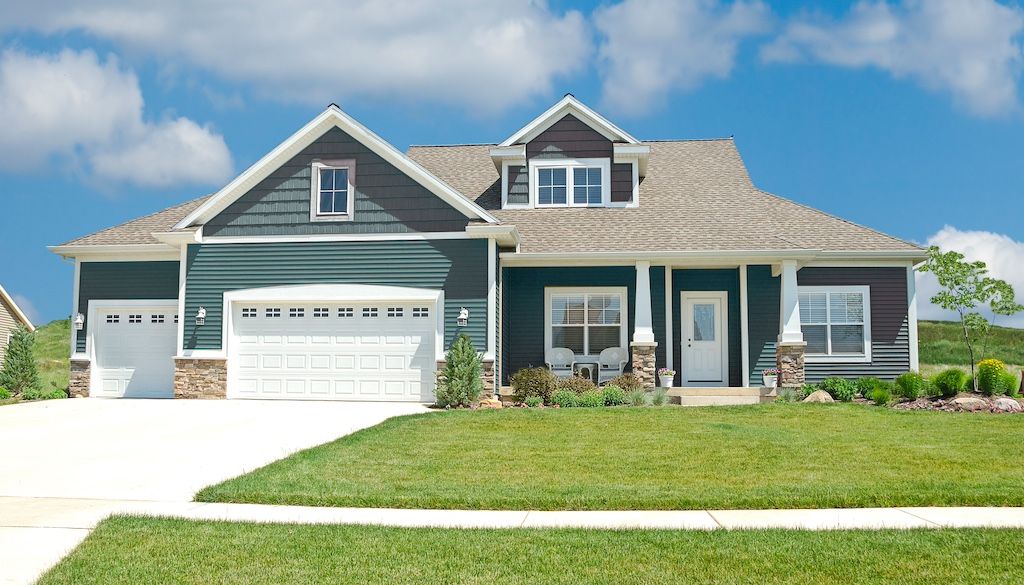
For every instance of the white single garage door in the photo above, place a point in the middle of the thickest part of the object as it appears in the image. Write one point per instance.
(133, 351)
(332, 351)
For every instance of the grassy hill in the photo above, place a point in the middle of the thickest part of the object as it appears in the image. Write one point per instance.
(941, 344)
(52, 350)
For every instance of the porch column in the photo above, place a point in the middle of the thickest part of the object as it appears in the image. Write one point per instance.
(643, 344)
(789, 353)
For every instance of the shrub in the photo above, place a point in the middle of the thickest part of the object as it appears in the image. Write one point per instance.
(990, 372)
(909, 385)
(840, 389)
(637, 398)
(577, 384)
(951, 382)
(533, 382)
(460, 385)
(533, 401)
(4, 394)
(1009, 383)
(19, 374)
(614, 396)
(807, 389)
(565, 398)
(866, 385)
(659, 397)
(627, 382)
(52, 394)
(790, 395)
(591, 399)
(881, 395)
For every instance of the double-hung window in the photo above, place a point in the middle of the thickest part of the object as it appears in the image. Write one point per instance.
(586, 321)
(572, 183)
(332, 190)
(836, 322)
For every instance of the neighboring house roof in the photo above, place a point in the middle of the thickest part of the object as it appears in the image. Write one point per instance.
(15, 310)
(697, 196)
(141, 230)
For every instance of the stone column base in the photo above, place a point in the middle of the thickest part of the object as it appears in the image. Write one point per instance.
(486, 376)
(644, 363)
(78, 383)
(789, 358)
(200, 378)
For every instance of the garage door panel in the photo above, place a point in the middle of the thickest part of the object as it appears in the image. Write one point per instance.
(133, 349)
(333, 350)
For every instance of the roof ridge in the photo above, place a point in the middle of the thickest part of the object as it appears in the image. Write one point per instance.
(836, 217)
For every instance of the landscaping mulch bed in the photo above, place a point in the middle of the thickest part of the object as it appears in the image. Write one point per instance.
(966, 403)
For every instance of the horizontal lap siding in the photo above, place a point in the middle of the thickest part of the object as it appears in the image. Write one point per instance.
(123, 281)
(459, 267)
(890, 338)
(518, 185)
(8, 323)
(709, 280)
(523, 305)
(386, 199)
(569, 138)
(622, 182)
(763, 319)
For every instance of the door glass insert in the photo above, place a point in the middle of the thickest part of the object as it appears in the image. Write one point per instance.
(703, 322)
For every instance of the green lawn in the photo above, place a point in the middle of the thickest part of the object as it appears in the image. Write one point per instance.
(766, 456)
(140, 550)
(941, 343)
(52, 351)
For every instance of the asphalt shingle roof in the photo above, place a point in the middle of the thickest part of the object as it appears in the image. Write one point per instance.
(697, 196)
(140, 231)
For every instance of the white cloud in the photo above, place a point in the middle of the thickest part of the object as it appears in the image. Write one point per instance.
(969, 48)
(1003, 255)
(650, 48)
(26, 307)
(72, 106)
(485, 56)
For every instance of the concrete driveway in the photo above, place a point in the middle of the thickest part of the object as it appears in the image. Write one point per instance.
(67, 463)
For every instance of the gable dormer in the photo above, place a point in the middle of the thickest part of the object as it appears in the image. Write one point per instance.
(570, 156)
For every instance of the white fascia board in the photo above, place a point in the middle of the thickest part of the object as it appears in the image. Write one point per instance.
(331, 117)
(384, 237)
(903, 255)
(641, 153)
(678, 259)
(17, 310)
(569, 104)
(505, 235)
(177, 239)
(118, 253)
(514, 151)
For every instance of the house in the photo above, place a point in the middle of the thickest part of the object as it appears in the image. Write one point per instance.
(11, 317)
(337, 267)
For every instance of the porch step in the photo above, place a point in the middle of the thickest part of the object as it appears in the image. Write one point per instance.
(720, 396)
(714, 391)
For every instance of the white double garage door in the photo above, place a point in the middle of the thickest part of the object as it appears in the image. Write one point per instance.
(383, 350)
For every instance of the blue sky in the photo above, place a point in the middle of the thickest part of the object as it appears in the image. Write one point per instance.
(903, 116)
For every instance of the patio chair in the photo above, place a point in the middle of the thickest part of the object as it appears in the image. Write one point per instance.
(560, 360)
(610, 364)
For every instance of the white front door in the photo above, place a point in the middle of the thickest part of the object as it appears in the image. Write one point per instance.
(332, 350)
(133, 347)
(705, 331)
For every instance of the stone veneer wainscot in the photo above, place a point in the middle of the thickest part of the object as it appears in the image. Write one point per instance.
(200, 378)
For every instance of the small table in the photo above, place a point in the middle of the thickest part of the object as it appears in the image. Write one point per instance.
(589, 367)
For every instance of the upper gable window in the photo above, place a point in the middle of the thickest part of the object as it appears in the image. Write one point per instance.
(571, 182)
(333, 193)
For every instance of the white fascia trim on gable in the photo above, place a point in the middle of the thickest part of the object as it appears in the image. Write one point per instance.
(118, 253)
(331, 117)
(636, 153)
(17, 310)
(278, 239)
(504, 235)
(569, 104)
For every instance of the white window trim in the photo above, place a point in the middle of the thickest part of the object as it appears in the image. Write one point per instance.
(623, 316)
(849, 358)
(314, 186)
(570, 163)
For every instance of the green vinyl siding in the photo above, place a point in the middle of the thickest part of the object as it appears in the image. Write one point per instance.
(727, 280)
(763, 318)
(658, 313)
(523, 307)
(459, 267)
(386, 199)
(123, 281)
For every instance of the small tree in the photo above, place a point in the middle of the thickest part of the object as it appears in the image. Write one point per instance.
(460, 384)
(964, 287)
(19, 373)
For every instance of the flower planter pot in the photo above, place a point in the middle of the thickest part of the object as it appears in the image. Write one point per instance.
(665, 381)
(769, 381)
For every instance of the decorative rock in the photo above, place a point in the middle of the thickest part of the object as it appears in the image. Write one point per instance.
(819, 396)
(969, 403)
(1007, 405)
(491, 403)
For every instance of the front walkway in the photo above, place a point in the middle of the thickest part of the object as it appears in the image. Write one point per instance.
(68, 463)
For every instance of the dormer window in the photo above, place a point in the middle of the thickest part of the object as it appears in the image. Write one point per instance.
(570, 182)
(333, 192)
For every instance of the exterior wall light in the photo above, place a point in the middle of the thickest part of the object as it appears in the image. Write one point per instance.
(463, 319)
(79, 321)
(201, 316)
